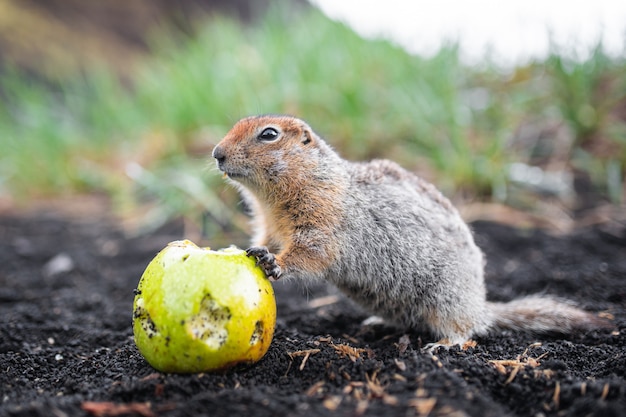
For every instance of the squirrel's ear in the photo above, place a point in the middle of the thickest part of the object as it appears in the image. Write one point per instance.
(307, 136)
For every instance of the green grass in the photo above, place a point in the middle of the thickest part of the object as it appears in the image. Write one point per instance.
(591, 97)
(151, 141)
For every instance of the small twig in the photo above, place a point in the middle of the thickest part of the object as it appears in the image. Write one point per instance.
(306, 358)
(512, 375)
(149, 377)
(305, 353)
(423, 406)
(106, 408)
(315, 388)
(353, 353)
(605, 392)
(374, 386)
(557, 395)
(518, 363)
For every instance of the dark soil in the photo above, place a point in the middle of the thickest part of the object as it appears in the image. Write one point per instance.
(66, 346)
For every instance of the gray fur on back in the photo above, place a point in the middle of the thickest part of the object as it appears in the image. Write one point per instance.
(408, 256)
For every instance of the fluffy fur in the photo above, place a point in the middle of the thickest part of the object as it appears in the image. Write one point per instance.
(388, 239)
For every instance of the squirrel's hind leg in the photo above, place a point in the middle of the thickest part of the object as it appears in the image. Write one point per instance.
(374, 321)
(445, 343)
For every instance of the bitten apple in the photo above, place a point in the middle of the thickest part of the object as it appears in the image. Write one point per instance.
(198, 310)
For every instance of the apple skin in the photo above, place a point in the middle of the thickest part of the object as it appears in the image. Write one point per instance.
(199, 310)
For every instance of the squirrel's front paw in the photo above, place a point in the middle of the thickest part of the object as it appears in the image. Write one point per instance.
(266, 260)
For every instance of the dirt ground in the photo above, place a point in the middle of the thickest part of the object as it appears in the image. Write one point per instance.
(66, 346)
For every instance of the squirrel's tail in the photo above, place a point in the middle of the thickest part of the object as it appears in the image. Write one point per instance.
(543, 314)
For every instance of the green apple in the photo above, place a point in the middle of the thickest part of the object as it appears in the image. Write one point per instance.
(198, 310)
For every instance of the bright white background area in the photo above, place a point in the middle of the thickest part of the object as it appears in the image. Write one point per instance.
(510, 31)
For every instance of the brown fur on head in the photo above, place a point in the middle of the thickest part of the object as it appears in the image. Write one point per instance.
(293, 183)
(262, 151)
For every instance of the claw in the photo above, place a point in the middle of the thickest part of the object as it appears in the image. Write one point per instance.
(266, 260)
(257, 251)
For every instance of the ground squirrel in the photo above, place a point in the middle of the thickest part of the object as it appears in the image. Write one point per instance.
(385, 237)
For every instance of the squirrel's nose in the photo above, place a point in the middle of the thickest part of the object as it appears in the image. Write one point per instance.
(219, 154)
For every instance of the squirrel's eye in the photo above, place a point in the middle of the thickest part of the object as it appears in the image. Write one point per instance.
(268, 134)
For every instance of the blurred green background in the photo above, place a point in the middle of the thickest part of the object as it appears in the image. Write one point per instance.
(126, 100)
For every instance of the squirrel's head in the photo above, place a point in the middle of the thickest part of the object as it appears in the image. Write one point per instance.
(262, 151)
